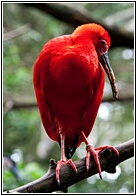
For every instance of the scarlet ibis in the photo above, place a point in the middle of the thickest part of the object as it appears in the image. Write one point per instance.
(69, 82)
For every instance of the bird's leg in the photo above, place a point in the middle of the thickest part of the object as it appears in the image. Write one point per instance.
(63, 159)
(94, 151)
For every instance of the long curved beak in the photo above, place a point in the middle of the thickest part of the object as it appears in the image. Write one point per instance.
(106, 65)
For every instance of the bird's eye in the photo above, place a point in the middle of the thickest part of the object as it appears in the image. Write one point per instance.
(103, 42)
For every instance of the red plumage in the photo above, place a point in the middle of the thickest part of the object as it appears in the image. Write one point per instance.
(69, 82)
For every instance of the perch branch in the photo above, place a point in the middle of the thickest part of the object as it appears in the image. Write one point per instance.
(108, 160)
(119, 37)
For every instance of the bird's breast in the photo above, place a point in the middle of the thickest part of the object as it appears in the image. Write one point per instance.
(73, 72)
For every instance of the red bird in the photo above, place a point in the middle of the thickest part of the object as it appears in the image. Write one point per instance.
(69, 82)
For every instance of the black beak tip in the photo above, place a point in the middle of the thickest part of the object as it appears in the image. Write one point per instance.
(115, 95)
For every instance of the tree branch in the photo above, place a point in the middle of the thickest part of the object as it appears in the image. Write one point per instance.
(108, 161)
(16, 32)
(119, 37)
(12, 104)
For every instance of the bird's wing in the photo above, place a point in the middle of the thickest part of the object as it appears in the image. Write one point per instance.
(44, 107)
(46, 116)
(90, 112)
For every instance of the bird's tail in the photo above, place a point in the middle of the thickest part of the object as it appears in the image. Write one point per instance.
(70, 150)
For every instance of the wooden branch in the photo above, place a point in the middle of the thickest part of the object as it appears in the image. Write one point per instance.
(15, 105)
(16, 32)
(108, 160)
(119, 37)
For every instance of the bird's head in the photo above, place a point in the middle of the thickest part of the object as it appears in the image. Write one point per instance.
(100, 39)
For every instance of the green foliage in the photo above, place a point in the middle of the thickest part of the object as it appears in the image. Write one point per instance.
(28, 172)
(103, 10)
(19, 126)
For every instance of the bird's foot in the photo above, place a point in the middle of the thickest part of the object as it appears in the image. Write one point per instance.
(59, 164)
(94, 151)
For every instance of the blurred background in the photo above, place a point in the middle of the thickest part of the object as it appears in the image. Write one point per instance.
(26, 28)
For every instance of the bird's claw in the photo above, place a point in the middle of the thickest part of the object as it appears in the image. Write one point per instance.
(109, 147)
(91, 151)
(94, 151)
(59, 164)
